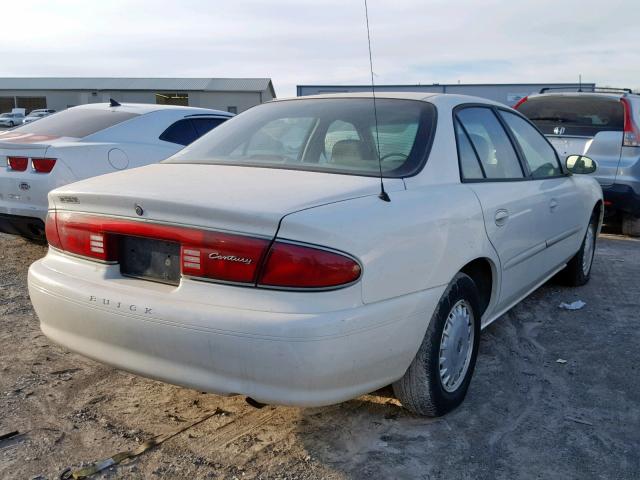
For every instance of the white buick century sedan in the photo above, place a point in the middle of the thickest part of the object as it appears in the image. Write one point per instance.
(266, 260)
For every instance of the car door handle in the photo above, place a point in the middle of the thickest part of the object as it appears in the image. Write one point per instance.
(501, 217)
(553, 204)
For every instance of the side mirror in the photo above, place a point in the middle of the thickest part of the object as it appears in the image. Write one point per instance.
(580, 164)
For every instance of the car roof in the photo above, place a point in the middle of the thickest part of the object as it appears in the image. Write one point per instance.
(612, 95)
(436, 98)
(142, 108)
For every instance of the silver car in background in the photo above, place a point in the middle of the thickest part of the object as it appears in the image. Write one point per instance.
(11, 119)
(37, 114)
(604, 125)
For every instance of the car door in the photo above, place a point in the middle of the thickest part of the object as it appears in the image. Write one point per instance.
(552, 187)
(513, 214)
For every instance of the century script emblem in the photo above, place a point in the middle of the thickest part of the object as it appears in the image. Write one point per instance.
(230, 258)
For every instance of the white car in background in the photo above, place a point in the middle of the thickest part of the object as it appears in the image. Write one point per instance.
(11, 119)
(83, 142)
(265, 259)
(37, 115)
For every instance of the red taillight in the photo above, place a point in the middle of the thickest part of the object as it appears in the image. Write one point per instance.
(51, 231)
(207, 254)
(215, 255)
(631, 133)
(296, 266)
(520, 102)
(222, 256)
(19, 164)
(43, 165)
(86, 236)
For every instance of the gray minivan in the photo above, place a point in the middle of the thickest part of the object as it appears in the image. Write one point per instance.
(603, 124)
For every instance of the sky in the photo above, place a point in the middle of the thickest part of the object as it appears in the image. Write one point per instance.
(325, 41)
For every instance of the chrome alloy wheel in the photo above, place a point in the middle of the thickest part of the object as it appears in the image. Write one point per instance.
(456, 346)
(589, 249)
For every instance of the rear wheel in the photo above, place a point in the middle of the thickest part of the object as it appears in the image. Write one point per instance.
(438, 378)
(631, 226)
(578, 270)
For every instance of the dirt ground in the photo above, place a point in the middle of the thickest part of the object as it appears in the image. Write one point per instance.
(526, 415)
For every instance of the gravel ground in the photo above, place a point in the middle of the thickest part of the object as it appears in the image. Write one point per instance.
(526, 415)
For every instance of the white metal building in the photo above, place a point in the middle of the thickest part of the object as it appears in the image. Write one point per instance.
(230, 94)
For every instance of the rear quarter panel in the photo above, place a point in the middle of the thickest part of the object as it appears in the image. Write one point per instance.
(417, 241)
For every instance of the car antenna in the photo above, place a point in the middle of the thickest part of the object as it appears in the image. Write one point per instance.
(383, 194)
(113, 103)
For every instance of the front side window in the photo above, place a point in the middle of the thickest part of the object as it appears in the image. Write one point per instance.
(491, 143)
(539, 155)
(334, 135)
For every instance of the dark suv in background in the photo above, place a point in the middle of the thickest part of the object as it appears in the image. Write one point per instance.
(603, 124)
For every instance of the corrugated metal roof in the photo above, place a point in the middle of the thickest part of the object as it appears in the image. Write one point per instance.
(170, 84)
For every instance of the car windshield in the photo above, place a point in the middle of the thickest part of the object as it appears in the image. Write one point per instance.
(336, 135)
(5, 115)
(75, 122)
(578, 115)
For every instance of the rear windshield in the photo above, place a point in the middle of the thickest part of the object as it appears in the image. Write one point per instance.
(333, 135)
(582, 116)
(75, 122)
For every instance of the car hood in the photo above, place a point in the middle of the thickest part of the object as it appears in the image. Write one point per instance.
(243, 199)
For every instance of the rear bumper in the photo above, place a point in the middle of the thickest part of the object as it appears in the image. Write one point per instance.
(284, 357)
(30, 227)
(622, 198)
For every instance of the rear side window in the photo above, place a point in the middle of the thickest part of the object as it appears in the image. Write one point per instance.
(204, 125)
(469, 163)
(182, 132)
(578, 115)
(76, 122)
(188, 130)
(491, 143)
(539, 155)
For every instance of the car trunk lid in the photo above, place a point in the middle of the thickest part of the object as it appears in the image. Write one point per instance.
(217, 197)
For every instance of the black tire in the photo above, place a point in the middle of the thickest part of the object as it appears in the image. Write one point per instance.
(578, 270)
(421, 389)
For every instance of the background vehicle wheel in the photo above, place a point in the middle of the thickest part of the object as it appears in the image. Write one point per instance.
(438, 378)
(578, 270)
(631, 226)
